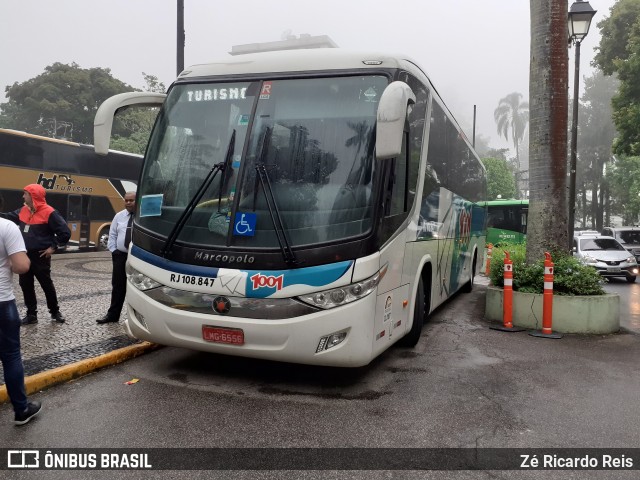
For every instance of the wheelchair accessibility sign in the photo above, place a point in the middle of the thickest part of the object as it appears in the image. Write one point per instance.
(244, 224)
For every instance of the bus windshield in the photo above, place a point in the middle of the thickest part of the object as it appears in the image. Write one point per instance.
(312, 138)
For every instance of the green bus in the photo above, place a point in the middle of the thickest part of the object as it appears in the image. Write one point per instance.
(507, 221)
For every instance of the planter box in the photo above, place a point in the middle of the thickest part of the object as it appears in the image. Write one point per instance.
(579, 314)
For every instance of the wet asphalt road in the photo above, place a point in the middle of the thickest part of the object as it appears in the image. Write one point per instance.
(629, 302)
(464, 385)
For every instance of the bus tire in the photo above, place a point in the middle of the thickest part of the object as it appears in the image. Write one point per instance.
(411, 339)
(103, 240)
(468, 287)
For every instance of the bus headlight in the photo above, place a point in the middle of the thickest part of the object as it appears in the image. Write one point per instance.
(140, 280)
(340, 296)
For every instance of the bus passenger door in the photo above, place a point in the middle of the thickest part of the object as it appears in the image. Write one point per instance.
(74, 212)
(77, 221)
(85, 223)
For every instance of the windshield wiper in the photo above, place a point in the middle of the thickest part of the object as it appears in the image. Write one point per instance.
(188, 210)
(274, 212)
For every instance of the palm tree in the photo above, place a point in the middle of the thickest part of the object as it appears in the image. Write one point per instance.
(512, 117)
(549, 108)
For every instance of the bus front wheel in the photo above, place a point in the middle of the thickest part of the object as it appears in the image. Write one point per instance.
(411, 339)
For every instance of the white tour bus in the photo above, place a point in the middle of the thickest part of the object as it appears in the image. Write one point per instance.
(308, 206)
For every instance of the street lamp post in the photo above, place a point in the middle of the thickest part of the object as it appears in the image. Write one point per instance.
(180, 38)
(580, 15)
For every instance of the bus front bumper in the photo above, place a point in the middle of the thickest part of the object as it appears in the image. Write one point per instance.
(298, 340)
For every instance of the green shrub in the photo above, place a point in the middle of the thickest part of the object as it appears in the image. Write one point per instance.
(571, 277)
(517, 254)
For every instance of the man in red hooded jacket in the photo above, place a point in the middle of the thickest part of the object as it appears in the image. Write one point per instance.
(43, 230)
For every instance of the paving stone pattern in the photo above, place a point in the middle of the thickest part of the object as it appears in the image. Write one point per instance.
(83, 284)
(65, 357)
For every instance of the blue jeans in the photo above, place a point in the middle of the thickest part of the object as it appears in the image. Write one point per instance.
(10, 355)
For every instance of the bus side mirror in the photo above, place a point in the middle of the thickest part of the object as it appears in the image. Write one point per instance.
(393, 109)
(103, 122)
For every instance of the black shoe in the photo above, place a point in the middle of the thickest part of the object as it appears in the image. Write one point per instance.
(57, 317)
(33, 409)
(107, 319)
(29, 319)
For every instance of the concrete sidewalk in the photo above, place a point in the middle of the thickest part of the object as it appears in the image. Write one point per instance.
(83, 284)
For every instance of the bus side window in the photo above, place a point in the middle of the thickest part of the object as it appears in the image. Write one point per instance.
(496, 219)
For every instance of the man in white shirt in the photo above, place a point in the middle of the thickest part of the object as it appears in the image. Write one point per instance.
(119, 239)
(13, 259)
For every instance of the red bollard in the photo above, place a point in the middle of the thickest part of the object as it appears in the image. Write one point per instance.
(507, 298)
(547, 301)
(487, 268)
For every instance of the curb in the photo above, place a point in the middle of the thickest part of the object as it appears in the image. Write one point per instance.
(48, 378)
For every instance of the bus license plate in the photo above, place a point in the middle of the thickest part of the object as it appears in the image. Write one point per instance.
(231, 336)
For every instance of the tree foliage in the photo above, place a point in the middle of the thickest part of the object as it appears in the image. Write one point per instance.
(499, 153)
(626, 104)
(624, 178)
(500, 179)
(615, 31)
(5, 121)
(619, 53)
(61, 102)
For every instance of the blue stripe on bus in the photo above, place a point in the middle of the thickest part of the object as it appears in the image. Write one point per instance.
(317, 276)
(168, 265)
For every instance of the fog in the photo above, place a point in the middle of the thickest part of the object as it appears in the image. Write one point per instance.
(474, 52)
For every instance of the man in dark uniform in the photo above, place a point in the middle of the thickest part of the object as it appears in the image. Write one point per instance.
(43, 230)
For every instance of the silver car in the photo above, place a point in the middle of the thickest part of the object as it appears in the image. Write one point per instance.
(607, 255)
